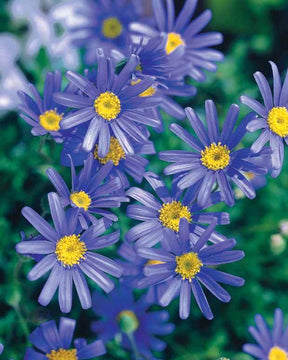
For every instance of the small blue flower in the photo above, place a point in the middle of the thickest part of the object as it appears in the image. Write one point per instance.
(1, 348)
(272, 117)
(155, 62)
(160, 219)
(213, 159)
(92, 191)
(181, 32)
(110, 106)
(121, 314)
(271, 344)
(105, 24)
(42, 113)
(185, 264)
(53, 343)
(133, 266)
(123, 164)
(67, 252)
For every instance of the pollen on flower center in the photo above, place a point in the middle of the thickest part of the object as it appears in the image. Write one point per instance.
(115, 153)
(62, 354)
(188, 265)
(107, 105)
(81, 199)
(50, 120)
(148, 92)
(278, 121)
(215, 157)
(111, 28)
(171, 213)
(128, 321)
(173, 41)
(70, 250)
(277, 354)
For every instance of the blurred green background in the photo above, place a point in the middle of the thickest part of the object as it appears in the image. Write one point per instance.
(255, 31)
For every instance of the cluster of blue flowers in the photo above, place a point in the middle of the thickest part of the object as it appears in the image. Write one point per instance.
(103, 119)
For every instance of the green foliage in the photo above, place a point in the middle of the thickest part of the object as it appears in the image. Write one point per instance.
(251, 31)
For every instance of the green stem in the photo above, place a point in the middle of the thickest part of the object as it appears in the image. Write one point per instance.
(136, 353)
(22, 321)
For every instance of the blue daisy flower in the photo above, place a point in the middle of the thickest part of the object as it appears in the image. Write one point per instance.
(133, 267)
(105, 24)
(42, 113)
(123, 164)
(121, 314)
(186, 264)
(160, 218)
(67, 252)
(155, 62)
(1, 348)
(110, 106)
(271, 344)
(92, 191)
(272, 117)
(181, 32)
(213, 159)
(53, 343)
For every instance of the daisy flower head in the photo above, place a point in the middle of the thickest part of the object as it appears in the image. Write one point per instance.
(123, 164)
(213, 159)
(186, 264)
(181, 32)
(41, 112)
(272, 116)
(53, 343)
(122, 315)
(68, 252)
(105, 24)
(110, 105)
(93, 191)
(155, 62)
(133, 267)
(271, 344)
(160, 216)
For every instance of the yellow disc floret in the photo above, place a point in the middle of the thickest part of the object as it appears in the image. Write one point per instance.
(171, 213)
(107, 105)
(81, 199)
(215, 156)
(50, 120)
(115, 153)
(62, 354)
(128, 321)
(148, 92)
(173, 41)
(70, 250)
(277, 354)
(188, 265)
(278, 121)
(111, 28)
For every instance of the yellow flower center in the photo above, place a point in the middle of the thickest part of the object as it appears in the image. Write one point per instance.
(70, 250)
(154, 262)
(171, 213)
(215, 157)
(173, 41)
(188, 265)
(128, 321)
(62, 354)
(111, 27)
(277, 354)
(107, 105)
(115, 153)
(81, 199)
(278, 121)
(50, 120)
(148, 92)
